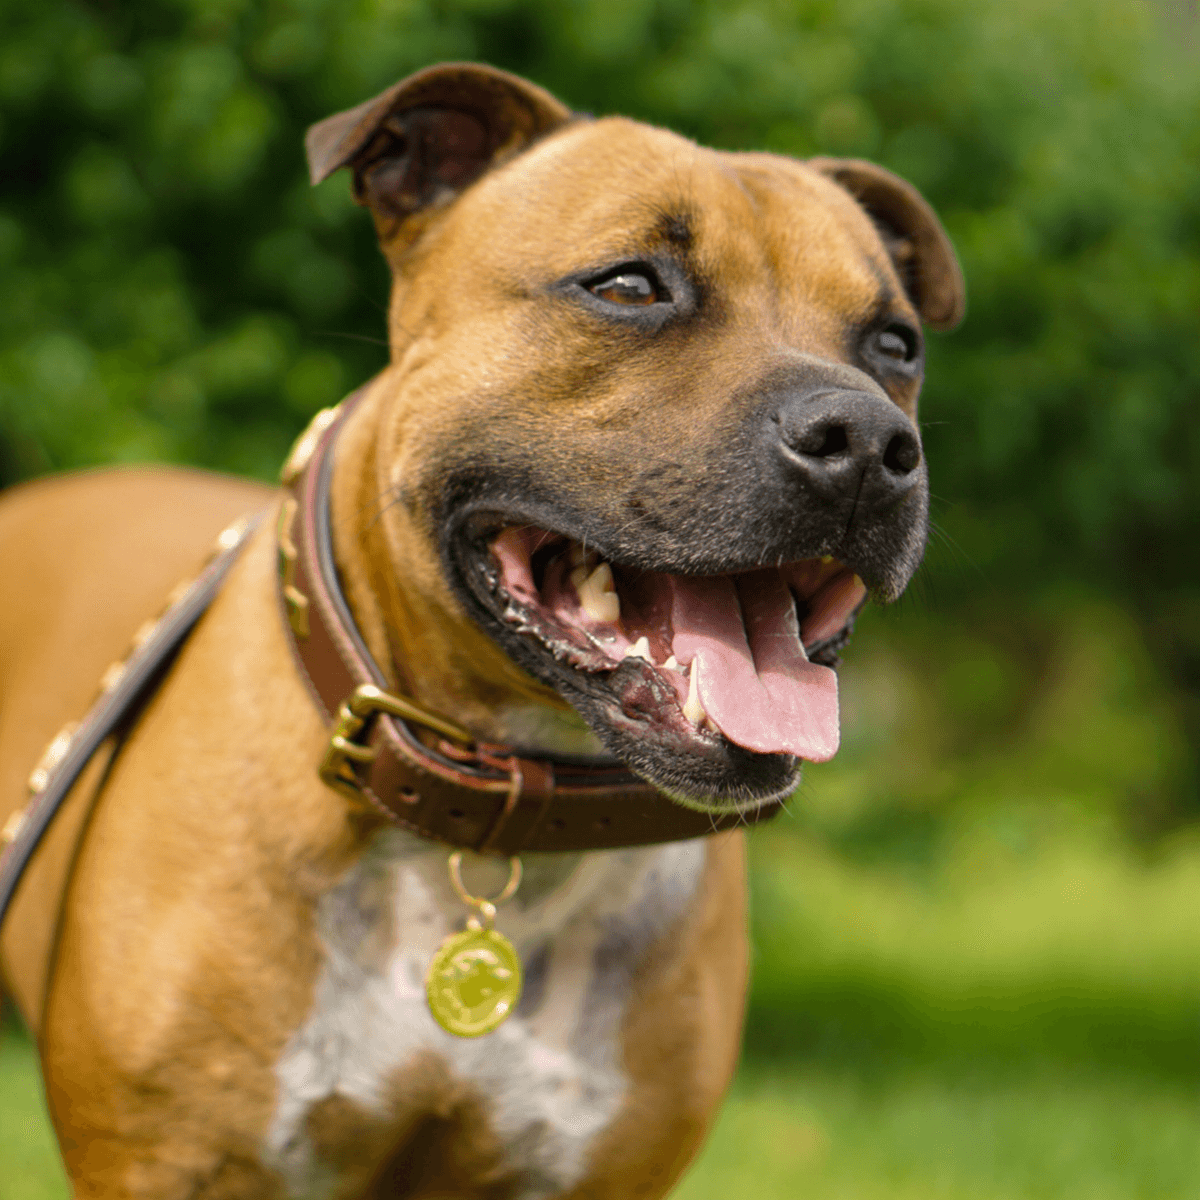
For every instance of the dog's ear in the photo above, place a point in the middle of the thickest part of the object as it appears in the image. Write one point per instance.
(427, 137)
(924, 258)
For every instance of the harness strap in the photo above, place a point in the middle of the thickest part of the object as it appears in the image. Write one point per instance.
(125, 689)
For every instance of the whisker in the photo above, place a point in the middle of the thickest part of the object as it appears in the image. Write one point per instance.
(352, 337)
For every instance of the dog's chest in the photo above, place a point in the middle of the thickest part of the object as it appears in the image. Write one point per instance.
(549, 1080)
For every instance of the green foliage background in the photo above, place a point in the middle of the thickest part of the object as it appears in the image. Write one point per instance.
(999, 868)
(172, 287)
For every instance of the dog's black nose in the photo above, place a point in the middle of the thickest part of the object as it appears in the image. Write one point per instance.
(843, 441)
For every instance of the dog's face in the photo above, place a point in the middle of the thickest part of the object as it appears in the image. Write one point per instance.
(651, 426)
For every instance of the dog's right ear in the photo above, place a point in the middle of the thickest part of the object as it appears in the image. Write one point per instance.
(426, 138)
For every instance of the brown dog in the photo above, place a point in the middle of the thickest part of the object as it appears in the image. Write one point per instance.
(649, 420)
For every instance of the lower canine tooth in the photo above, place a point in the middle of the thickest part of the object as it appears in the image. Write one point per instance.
(692, 708)
(639, 649)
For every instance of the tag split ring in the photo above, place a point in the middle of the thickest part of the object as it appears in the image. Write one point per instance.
(474, 980)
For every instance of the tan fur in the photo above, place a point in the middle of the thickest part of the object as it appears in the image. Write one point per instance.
(181, 939)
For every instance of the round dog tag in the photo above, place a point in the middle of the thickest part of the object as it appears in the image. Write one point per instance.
(473, 982)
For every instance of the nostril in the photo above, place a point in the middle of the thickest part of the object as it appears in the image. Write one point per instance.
(841, 439)
(903, 454)
(823, 441)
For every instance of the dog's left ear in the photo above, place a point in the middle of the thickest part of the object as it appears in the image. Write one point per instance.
(426, 138)
(914, 237)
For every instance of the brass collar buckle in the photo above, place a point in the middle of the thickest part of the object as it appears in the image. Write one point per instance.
(348, 739)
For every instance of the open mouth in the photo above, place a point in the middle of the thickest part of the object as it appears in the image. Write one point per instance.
(691, 662)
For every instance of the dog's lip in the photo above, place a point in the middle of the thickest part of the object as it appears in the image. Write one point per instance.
(593, 651)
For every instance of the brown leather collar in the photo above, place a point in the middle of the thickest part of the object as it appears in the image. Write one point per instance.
(484, 797)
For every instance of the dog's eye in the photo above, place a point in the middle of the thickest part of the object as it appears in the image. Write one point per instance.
(629, 287)
(897, 342)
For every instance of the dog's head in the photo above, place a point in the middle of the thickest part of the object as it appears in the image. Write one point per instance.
(649, 430)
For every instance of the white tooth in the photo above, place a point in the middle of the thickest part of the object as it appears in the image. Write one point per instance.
(596, 595)
(671, 664)
(639, 649)
(692, 708)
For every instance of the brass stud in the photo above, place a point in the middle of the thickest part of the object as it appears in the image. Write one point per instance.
(53, 754)
(12, 827)
(305, 444)
(294, 598)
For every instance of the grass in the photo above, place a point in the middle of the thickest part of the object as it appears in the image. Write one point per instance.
(1078, 955)
(846, 1134)
(29, 1166)
(920, 1135)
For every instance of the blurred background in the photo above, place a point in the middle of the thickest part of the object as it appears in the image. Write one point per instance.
(977, 933)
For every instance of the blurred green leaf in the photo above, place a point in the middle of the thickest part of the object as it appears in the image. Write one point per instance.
(171, 282)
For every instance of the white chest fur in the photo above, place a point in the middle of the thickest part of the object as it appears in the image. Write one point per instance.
(552, 1074)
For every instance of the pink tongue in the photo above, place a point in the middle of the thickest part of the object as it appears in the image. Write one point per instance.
(755, 682)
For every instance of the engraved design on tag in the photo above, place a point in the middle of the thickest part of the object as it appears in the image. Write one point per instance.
(473, 982)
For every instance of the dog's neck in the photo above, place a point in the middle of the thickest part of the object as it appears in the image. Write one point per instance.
(475, 684)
